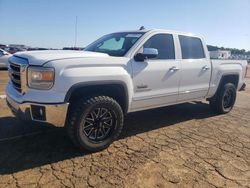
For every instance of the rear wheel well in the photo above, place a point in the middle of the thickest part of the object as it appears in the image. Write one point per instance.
(234, 79)
(115, 91)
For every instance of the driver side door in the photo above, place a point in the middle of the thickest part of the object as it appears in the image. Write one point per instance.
(156, 80)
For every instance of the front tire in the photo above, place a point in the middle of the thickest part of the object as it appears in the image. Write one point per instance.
(95, 122)
(224, 99)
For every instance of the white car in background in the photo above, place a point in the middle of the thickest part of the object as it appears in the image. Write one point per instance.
(4, 58)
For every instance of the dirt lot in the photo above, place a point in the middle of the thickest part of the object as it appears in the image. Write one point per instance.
(178, 146)
(3, 80)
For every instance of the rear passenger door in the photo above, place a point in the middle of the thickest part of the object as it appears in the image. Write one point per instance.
(195, 69)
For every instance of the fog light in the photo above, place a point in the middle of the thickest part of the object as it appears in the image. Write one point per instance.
(38, 113)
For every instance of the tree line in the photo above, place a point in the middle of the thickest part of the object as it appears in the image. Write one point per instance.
(233, 50)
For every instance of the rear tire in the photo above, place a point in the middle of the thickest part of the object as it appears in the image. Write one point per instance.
(95, 122)
(224, 99)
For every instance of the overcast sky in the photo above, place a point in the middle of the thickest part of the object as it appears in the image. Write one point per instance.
(51, 23)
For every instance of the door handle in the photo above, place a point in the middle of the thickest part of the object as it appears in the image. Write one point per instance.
(205, 68)
(173, 69)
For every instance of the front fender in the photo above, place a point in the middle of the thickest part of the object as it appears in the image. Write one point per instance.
(70, 79)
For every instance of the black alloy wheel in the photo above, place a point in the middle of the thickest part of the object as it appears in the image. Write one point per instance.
(94, 122)
(224, 99)
(99, 124)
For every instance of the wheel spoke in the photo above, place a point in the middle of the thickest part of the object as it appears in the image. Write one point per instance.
(102, 112)
(102, 132)
(98, 124)
(228, 98)
(89, 121)
(95, 134)
(107, 118)
(88, 126)
(96, 112)
(90, 117)
(106, 129)
(105, 124)
(90, 132)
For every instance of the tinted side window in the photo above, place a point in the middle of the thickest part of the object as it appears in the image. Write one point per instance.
(191, 47)
(164, 43)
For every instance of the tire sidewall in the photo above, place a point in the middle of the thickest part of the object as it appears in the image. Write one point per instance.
(228, 86)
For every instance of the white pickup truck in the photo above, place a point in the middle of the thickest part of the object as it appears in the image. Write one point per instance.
(90, 91)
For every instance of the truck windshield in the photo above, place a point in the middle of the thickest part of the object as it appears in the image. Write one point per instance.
(115, 44)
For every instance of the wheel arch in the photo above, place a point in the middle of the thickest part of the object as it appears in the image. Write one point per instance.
(228, 78)
(115, 89)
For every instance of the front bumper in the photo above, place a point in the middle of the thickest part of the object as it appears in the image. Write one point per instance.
(48, 113)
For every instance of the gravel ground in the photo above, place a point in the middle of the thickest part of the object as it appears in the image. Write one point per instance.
(177, 146)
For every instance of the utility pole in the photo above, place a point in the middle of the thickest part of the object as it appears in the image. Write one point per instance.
(75, 32)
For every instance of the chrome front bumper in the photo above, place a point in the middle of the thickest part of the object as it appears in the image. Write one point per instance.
(48, 113)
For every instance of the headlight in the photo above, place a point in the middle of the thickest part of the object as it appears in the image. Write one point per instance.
(41, 78)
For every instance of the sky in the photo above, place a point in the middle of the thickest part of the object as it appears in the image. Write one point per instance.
(51, 23)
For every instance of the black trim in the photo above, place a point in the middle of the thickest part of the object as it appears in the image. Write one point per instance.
(96, 83)
(243, 87)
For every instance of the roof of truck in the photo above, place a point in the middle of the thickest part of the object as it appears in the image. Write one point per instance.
(161, 30)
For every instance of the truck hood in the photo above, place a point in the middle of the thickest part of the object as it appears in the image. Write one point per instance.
(42, 57)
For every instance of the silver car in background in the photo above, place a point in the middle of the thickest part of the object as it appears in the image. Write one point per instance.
(4, 58)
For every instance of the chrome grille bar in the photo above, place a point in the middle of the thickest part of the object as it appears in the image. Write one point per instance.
(14, 73)
(17, 73)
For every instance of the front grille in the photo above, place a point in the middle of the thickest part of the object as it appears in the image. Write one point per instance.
(15, 76)
(17, 73)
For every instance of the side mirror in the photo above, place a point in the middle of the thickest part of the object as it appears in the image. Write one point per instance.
(148, 53)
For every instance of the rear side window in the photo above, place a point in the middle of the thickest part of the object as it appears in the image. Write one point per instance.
(191, 47)
(164, 43)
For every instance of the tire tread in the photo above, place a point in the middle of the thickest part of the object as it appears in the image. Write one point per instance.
(78, 108)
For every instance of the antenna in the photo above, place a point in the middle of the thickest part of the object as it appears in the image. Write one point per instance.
(142, 28)
(75, 32)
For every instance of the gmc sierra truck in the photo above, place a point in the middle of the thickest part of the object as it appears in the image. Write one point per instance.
(90, 91)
